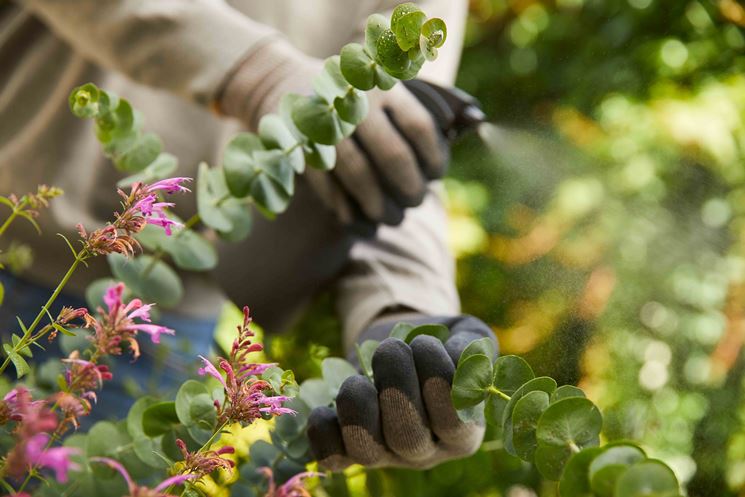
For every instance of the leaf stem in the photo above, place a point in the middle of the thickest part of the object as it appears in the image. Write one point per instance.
(16, 209)
(27, 338)
(496, 391)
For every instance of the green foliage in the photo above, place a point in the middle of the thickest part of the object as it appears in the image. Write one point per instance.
(147, 277)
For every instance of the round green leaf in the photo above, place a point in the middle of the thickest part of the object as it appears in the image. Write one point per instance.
(510, 373)
(319, 156)
(575, 477)
(191, 399)
(375, 26)
(485, 346)
(330, 83)
(649, 478)
(191, 251)
(275, 134)
(274, 163)
(315, 393)
(211, 188)
(134, 416)
(524, 421)
(318, 120)
(162, 167)
(357, 66)
(105, 439)
(401, 330)
(335, 371)
(239, 163)
(406, 23)
(148, 450)
(610, 465)
(159, 418)
(566, 391)
(151, 279)
(471, 381)
(544, 384)
(551, 460)
(141, 154)
(390, 55)
(269, 195)
(439, 331)
(572, 422)
(352, 107)
(365, 353)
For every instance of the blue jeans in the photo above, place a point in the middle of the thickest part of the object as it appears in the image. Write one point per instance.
(160, 370)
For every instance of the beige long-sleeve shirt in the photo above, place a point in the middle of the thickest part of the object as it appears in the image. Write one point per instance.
(169, 58)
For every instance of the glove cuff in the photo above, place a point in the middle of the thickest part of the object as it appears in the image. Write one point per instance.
(255, 86)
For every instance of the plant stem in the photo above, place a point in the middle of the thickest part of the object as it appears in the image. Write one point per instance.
(573, 446)
(24, 341)
(16, 209)
(496, 391)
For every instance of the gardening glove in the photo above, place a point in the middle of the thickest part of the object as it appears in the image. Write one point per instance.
(405, 418)
(380, 170)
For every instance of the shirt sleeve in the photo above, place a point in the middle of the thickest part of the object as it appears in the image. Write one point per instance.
(184, 46)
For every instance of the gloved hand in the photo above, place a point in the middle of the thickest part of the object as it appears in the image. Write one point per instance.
(406, 418)
(381, 170)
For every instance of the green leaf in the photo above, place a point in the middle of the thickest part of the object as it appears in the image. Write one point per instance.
(151, 279)
(565, 392)
(650, 478)
(188, 249)
(19, 363)
(159, 418)
(317, 119)
(406, 23)
(485, 346)
(269, 194)
(471, 381)
(439, 331)
(330, 83)
(231, 217)
(433, 35)
(510, 373)
(315, 393)
(401, 331)
(141, 153)
(162, 167)
(2, 293)
(542, 383)
(275, 134)
(147, 450)
(374, 27)
(389, 54)
(83, 100)
(319, 156)
(352, 107)
(273, 376)
(524, 421)
(106, 439)
(335, 371)
(134, 416)
(550, 460)
(357, 66)
(239, 163)
(191, 394)
(575, 477)
(607, 467)
(574, 421)
(365, 353)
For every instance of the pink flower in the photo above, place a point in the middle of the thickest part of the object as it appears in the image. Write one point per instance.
(205, 462)
(55, 458)
(138, 491)
(82, 379)
(291, 488)
(117, 323)
(171, 185)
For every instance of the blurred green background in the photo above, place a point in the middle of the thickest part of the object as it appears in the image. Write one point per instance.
(603, 238)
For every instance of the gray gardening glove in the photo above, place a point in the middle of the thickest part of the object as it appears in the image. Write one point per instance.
(405, 418)
(381, 170)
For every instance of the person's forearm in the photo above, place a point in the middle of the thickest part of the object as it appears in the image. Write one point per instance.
(186, 47)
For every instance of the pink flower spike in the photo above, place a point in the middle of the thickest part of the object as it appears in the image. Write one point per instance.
(118, 467)
(153, 330)
(170, 185)
(174, 480)
(113, 296)
(55, 458)
(210, 369)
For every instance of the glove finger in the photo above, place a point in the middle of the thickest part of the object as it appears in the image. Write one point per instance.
(463, 332)
(326, 442)
(393, 159)
(435, 370)
(404, 419)
(357, 177)
(359, 417)
(416, 124)
(330, 194)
